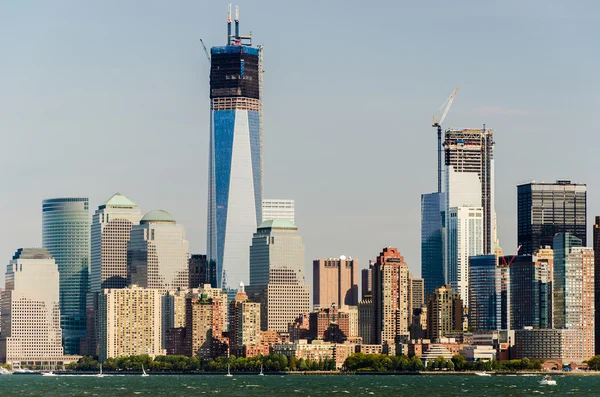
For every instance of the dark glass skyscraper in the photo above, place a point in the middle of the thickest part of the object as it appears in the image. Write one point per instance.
(545, 209)
(488, 293)
(66, 235)
(235, 165)
(432, 243)
(530, 292)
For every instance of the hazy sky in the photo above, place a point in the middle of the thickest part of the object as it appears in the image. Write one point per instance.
(107, 96)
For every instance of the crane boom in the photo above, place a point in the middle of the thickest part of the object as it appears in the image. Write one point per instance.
(448, 104)
(205, 50)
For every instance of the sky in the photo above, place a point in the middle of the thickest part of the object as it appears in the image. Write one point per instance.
(110, 96)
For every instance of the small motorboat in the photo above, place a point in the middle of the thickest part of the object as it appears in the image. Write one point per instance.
(482, 374)
(50, 373)
(547, 381)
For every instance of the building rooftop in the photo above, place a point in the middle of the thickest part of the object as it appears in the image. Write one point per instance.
(32, 253)
(118, 200)
(158, 216)
(278, 224)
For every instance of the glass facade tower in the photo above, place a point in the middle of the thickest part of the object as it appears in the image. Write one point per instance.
(432, 243)
(235, 163)
(489, 293)
(545, 209)
(66, 235)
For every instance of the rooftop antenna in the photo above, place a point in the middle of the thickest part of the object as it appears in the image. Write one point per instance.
(237, 22)
(229, 24)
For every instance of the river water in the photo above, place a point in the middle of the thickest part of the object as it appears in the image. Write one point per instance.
(294, 385)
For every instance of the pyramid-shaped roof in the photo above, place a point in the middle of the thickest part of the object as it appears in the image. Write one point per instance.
(118, 200)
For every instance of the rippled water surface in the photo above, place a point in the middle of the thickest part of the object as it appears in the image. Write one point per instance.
(296, 385)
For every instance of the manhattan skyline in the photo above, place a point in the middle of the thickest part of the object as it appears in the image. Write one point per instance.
(114, 97)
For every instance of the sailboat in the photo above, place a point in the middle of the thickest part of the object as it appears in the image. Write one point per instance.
(261, 370)
(144, 371)
(228, 372)
(100, 374)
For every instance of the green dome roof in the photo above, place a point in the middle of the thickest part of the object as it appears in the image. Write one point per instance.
(278, 224)
(158, 216)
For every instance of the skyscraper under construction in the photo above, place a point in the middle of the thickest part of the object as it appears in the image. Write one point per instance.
(235, 164)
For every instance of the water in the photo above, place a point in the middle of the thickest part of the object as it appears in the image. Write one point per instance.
(294, 386)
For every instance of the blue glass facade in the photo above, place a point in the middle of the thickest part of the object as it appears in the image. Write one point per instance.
(66, 235)
(530, 292)
(488, 293)
(432, 243)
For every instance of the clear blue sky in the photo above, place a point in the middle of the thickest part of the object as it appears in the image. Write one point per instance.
(106, 96)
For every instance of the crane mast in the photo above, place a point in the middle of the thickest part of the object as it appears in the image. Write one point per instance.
(438, 124)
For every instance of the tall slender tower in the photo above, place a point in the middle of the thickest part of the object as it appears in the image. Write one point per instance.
(235, 164)
(66, 235)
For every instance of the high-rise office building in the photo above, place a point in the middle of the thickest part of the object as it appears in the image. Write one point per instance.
(545, 209)
(489, 293)
(390, 297)
(111, 230)
(30, 317)
(335, 281)
(444, 312)
(201, 271)
(235, 165)
(157, 253)
(278, 209)
(469, 176)
(277, 274)
(597, 284)
(365, 319)
(563, 273)
(417, 293)
(432, 240)
(66, 235)
(465, 239)
(130, 322)
(530, 292)
(366, 280)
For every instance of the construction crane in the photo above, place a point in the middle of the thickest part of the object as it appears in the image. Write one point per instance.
(205, 50)
(504, 263)
(438, 124)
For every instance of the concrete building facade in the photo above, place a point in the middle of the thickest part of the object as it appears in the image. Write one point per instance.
(444, 312)
(335, 281)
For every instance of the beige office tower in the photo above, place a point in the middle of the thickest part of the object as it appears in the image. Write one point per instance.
(130, 322)
(277, 274)
(157, 253)
(244, 321)
(391, 315)
(444, 312)
(30, 320)
(417, 294)
(335, 281)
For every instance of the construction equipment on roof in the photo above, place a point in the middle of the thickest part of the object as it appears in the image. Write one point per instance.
(438, 124)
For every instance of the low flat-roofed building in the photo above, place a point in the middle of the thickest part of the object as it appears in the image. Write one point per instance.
(548, 344)
(478, 352)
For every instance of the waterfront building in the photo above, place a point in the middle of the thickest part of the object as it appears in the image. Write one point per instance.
(365, 319)
(390, 297)
(278, 209)
(130, 322)
(548, 344)
(335, 281)
(465, 239)
(244, 321)
(444, 312)
(201, 271)
(530, 292)
(545, 209)
(66, 235)
(469, 177)
(277, 274)
(597, 285)
(204, 327)
(30, 319)
(235, 177)
(330, 325)
(157, 253)
(489, 293)
(432, 240)
(563, 244)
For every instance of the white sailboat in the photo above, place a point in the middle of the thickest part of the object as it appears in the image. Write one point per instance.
(100, 374)
(144, 371)
(261, 370)
(228, 372)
